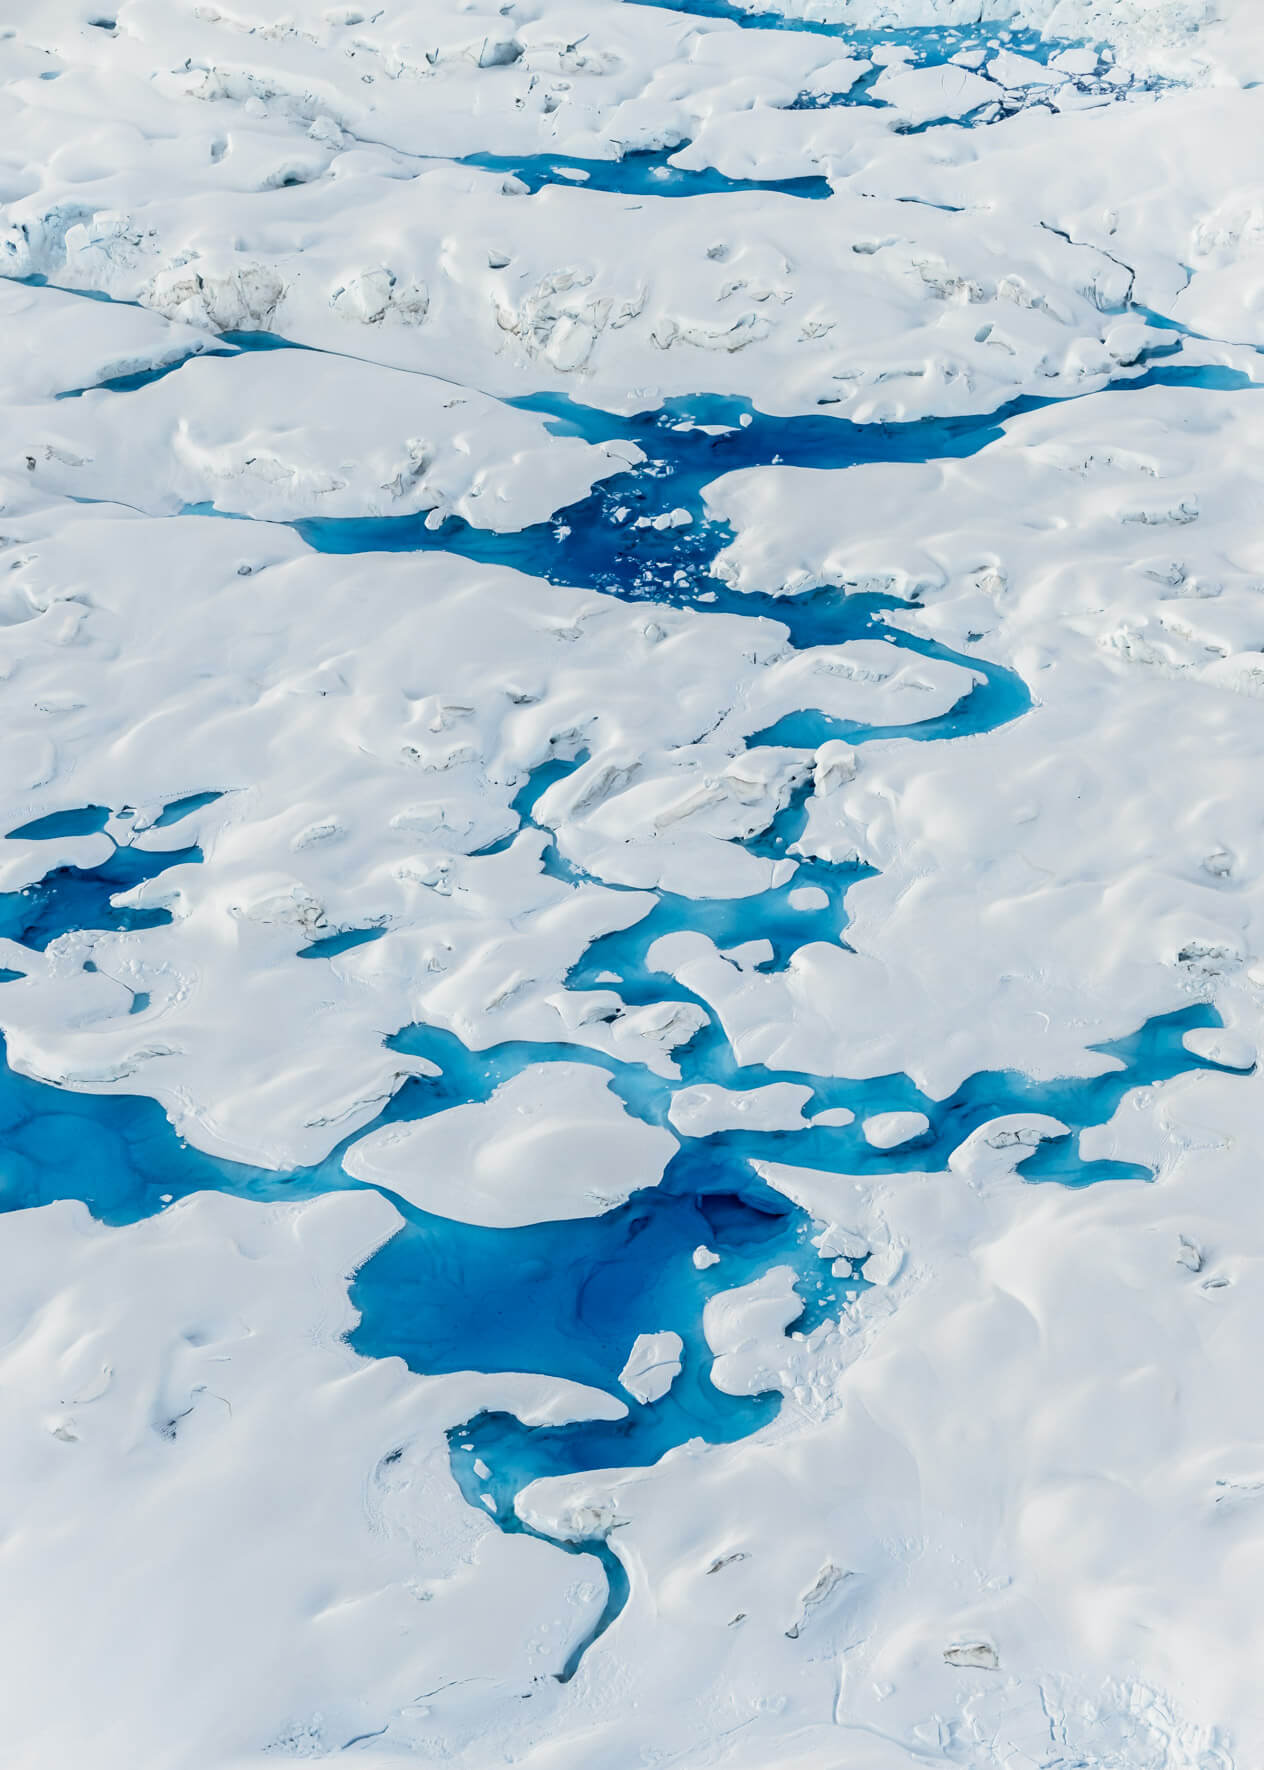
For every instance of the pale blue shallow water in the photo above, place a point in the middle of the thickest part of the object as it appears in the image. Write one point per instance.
(569, 1299)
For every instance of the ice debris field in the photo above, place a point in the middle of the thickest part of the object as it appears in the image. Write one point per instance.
(632, 884)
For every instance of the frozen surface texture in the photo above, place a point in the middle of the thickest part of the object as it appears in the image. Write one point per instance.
(631, 884)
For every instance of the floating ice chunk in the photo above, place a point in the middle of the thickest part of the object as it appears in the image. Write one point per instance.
(1075, 61)
(702, 1110)
(653, 1365)
(551, 1144)
(704, 1257)
(833, 1115)
(836, 764)
(809, 897)
(1016, 71)
(924, 95)
(887, 1130)
(1218, 1045)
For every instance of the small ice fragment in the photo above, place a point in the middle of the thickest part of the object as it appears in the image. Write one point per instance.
(809, 897)
(653, 1365)
(704, 1257)
(833, 1115)
(887, 1130)
(481, 1469)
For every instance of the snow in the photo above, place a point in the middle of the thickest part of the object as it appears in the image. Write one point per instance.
(745, 1328)
(631, 927)
(184, 1417)
(1229, 1049)
(923, 95)
(653, 1366)
(887, 1130)
(550, 1144)
(326, 437)
(702, 1110)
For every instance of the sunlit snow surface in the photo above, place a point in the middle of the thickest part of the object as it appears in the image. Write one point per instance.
(631, 641)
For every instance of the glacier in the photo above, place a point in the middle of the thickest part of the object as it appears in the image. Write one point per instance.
(631, 940)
